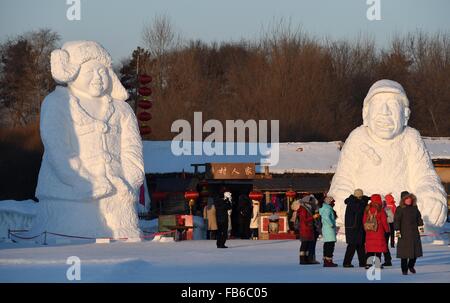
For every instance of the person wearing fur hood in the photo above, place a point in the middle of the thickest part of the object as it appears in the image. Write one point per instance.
(408, 225)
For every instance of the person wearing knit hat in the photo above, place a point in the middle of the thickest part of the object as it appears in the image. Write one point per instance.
(375, 225)
(404, 194)
(358, 193)
(306, 217)
(328, 217)
(354, 228)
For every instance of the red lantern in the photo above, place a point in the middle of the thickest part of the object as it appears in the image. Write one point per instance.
(145, 104)
(144, 116)
(191, 195)
(159, 195)
(145, 79)
(145, 91)
(145, 130)
(291, 194)
(256, 195)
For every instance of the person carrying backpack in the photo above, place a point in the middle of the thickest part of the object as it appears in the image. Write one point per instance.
(376, 226)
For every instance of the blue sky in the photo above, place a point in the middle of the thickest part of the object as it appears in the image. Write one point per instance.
(117, 24)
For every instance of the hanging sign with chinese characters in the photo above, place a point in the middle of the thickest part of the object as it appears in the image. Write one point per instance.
(230, 171)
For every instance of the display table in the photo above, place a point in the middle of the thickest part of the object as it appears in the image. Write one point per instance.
(264, 232)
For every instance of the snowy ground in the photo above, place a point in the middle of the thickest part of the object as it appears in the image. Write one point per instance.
(199, 261)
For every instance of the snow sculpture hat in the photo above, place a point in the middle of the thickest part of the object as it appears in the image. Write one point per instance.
(386, 86)
(66, 63)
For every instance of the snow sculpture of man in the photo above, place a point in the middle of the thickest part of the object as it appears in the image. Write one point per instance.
(384, 155)
(92, 166)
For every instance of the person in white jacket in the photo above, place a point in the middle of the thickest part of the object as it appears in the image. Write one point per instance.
(254, 222)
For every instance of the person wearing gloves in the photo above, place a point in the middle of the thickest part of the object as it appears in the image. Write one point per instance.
(209, 214)
(328, 216)
(390, 203)
(354, 229)
(254, 220)
(390, 220)
(376, 226)
(408, 223)
(222, 205)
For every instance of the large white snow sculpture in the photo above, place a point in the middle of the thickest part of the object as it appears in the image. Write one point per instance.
(92, 166)
(384, 155)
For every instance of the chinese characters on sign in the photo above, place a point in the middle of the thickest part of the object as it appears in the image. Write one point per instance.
(230, 170)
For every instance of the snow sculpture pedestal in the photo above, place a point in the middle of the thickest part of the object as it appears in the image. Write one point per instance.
(92, 166)
(385, 156)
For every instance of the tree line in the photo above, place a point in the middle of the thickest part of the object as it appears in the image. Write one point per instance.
(314, 87)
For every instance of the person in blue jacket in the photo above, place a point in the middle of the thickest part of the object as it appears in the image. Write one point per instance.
(328, 216)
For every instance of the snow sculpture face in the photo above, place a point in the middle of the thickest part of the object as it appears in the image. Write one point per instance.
(386, 116)
(92, 79)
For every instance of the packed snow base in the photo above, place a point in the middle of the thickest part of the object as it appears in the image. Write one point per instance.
(200, 261)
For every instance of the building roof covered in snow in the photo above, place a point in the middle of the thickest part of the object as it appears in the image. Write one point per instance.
(294, 157)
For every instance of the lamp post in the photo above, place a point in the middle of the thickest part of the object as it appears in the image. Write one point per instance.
(191, 196)
(290, 195)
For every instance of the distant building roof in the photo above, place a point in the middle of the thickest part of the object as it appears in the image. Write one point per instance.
(294, 157)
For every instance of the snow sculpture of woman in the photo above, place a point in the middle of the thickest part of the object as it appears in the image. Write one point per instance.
(92, 166)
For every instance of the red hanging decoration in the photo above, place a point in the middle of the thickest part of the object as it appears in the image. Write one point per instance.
(145, 79)
(144, 116)
(145, 91)
(145, 104)
(145, 130)
(291, 194)
(191, 195)
(256, 195)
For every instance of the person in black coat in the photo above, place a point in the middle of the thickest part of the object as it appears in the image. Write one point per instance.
(245, 209)
(222, 206)
(354, 228)
(407, 224)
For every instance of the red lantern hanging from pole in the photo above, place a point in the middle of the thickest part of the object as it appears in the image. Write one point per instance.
(191, 196)
(291, 194)
(255, 195)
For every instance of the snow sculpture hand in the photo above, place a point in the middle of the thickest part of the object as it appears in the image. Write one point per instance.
(433, 210)
(101, 190)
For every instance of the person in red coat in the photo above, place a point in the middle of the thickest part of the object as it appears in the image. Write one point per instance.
(306, 218)
(375, 235)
